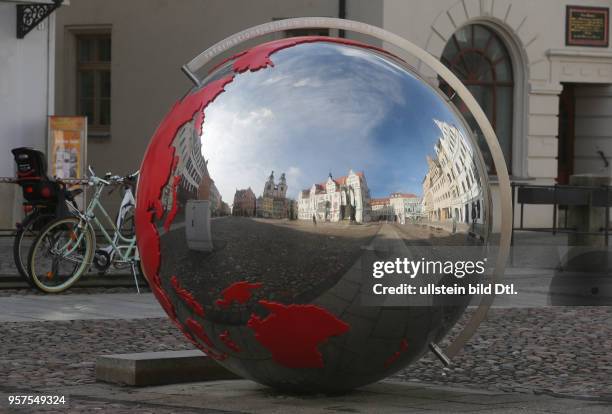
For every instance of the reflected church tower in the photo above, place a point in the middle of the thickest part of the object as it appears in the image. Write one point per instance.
(273, 203)
(269, 186)
(282, 187)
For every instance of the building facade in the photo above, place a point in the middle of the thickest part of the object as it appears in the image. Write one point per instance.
(150, 40)
(337, 199)
(549, 101)
(27, 96)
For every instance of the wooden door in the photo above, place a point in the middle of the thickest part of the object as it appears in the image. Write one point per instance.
(565, 157)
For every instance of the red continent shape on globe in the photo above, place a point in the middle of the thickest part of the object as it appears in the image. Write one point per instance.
(292, 333)
(237, 292)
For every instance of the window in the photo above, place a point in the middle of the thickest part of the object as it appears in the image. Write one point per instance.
(477, 56)
(94, 81)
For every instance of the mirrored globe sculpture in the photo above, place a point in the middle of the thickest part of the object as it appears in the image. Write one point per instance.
(268, 191)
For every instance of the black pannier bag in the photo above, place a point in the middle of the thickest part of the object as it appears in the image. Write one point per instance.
(32, 176)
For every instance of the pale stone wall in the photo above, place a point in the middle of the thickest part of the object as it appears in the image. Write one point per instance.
(534, 33)
(26, 98)
(152, 38)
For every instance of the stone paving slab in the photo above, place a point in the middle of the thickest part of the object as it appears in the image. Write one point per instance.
(79, 307)
(159, 368)
(243, 396)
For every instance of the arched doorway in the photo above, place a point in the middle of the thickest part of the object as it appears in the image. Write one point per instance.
(477, 55)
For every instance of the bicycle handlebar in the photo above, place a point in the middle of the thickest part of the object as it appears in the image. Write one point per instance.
(110, 179)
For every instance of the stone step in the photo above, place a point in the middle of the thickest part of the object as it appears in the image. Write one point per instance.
(159, 368)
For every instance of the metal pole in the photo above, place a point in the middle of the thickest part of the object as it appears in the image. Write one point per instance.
(554, 224)
(512, 235)
(607, 223)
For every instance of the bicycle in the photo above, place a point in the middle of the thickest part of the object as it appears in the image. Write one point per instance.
(27, 231)
(66, 248)
(44, 200)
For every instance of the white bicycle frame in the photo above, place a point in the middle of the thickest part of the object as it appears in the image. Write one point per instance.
(118, 244)
(128, 202)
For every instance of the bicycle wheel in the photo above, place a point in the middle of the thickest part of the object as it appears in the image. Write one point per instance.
(61, 254)
(24, 238)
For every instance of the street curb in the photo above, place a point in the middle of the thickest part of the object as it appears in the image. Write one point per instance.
(89, 280)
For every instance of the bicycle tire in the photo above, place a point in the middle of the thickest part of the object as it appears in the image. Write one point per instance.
(34, 222)
(81, 265)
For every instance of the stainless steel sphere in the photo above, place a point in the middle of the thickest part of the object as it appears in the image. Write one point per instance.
(266, 194)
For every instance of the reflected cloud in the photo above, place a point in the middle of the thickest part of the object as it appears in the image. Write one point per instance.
(291, 118)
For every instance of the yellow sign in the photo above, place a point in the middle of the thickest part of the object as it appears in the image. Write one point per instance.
(587, 26)
(67, 146)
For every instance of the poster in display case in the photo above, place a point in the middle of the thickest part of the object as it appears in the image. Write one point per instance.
(67, 146)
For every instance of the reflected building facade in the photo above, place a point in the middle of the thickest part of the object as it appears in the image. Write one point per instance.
(381, 209)
(451, 188)
(216, 204)
(337, 199)
(193, 170)
(398, 207)
(244, 203)
(191, 163)
(406, 206)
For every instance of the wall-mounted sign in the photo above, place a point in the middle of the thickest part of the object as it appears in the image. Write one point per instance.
(587, 26)
(67, 146)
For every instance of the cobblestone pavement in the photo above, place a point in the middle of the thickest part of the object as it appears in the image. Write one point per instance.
(37, 355)
(559, 350)
(54, 354)
(556, 350)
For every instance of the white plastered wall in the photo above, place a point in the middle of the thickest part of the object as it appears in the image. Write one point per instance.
(26, 98)
(534, 32)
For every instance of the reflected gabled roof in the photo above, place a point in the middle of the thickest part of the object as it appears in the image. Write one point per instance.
(379, 201)
(404, 195)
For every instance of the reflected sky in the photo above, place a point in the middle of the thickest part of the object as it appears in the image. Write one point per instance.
(323, 108)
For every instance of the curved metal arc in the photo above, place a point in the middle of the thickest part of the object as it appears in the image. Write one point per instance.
(498, 158)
